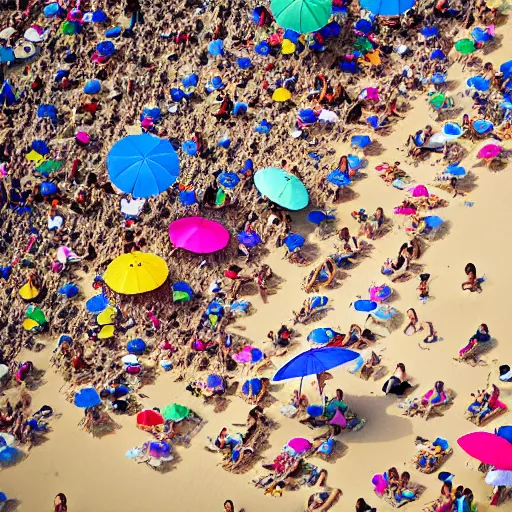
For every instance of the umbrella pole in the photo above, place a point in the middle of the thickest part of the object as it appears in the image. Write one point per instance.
(300, 386)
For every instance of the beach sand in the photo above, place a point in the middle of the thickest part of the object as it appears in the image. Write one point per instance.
(95, 475)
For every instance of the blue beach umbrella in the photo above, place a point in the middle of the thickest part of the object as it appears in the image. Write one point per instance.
(228, 179)
(189, 147)
(92, 87)
(364, 26)
(9, 456)
(438, 78)
(479, 83)
(314, 362)
(190, 81)
(455, 170)
(482, 126)
(153, 113)
(319, 301)
(216, 47)
(429, 32)
(113, 32)
(47, 111)
(294, 241)
(97, 303)
(188, 197)
(243, 63)
(262, 48)
(143, 165)
(240, 108)
(317, 217)
(365, 305)
(481, 36)
(106, 48)
(86, 398)
(136, 346)
(177, 94)
(282, 188)
(7, 54)
(99, 16)
(52, 10)
(506, 69)
(321, 335)
(47, 188)
(432, 222)
(349, 66)
(181, 292)
(70, 290)
(7, 95)
(251, 239)
(361, 141)
(40, 146)
(437, 55)
(338, 178)
(505, 432)
(387, 7)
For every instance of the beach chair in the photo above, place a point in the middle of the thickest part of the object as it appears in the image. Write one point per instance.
(312, 503)
(441, 104)
(432, 225)
(431, 463)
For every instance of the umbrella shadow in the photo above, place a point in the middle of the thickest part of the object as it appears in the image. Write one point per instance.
(493, 45)
(11, 505)
(380, 426)
(374, 149)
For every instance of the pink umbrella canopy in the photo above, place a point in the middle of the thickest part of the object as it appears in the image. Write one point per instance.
(488, 448)
(419, 191)
(198, 235)
(404, 210)
(490, 151)
(299, 444)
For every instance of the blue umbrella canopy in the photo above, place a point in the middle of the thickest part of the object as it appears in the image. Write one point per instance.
(433, 222)
(40, 146)
(479, 83)
(228, 179)
(189, 147)
(429, 31)
(294, 241)
(97, 303)
(455, 170)
(321, 335)
(319, 301)
(506, 69)
(387, 7)
(339, 178)
(92, 87)
(216, 47)
(143, 165)
(505, 432)
(87, 397)
(181, 292)
(317, 217)
(249, 239)
(365, 305)
(136, 346)
(361, 141)
(315, 361)
(106, 48)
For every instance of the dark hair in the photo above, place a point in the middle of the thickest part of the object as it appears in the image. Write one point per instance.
(453, 182)
(469, 495)
(343, 165)
(230, 502)
(344, 234)
(361, 505)
(63, 500)
(381, 210)
(340, 392)
(470, 268)
(415, 315)
(486, 329)
(439, 386)
(447, 485)
(402, 248)
(401, 366)
(393, 471)
(405, 476)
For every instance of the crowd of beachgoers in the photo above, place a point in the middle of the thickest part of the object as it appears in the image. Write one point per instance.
(233, 93)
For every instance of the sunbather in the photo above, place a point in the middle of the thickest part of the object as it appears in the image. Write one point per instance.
(485, 403)
(481, 336)
(473, 282)
(397, 384)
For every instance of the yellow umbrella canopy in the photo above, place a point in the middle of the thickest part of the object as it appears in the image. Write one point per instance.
(136, 272)
(281, 94)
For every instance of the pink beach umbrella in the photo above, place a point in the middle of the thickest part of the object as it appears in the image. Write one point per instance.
(488, 448)
(198, 235)
(338, 419)
(419, 191)
(490, 151)
(299, 444)
(404, 210)
(248, 354)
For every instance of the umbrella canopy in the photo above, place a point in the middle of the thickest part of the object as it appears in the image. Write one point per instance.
(465, 46)
(317, 217)
(97, 303)
(198, 235)
(86, 398)
(499, 477)
(281, 94)
(315, 361)
(175, 412)
(294, 241)
(303, 16)
(488, 448)
(361, 141)
(136, 272)
(228, 179)
(387, 7)
(419, 191)
(181, 292)
(505, 432)
(339, 178)
(282, 188)
(143, 165)
(455, 170)
(249, 355)
(321, 335)
(490, 151)
(249, 239)
(365, 305)
(299, 444)
(479, 83)
(149, 418)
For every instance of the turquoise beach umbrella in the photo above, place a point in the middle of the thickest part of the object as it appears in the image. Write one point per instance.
(282, 188)
(302, 16)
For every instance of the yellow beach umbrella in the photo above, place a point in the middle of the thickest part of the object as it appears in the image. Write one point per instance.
(34, 156)
(28, 291)
(136, 272)
(29, 324)
(281, 94)
(287, 47)
(107, 331)
(494, 4)
(107, 316)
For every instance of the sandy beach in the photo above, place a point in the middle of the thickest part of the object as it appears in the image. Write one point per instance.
(95, 474)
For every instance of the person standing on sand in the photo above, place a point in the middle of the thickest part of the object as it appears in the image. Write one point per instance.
(60, 504)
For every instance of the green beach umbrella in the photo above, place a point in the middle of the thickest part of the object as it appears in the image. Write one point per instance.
(49, 166)
(363, 45)
(303, 16)
(465, 46)
(175, 412)
(282, 188)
